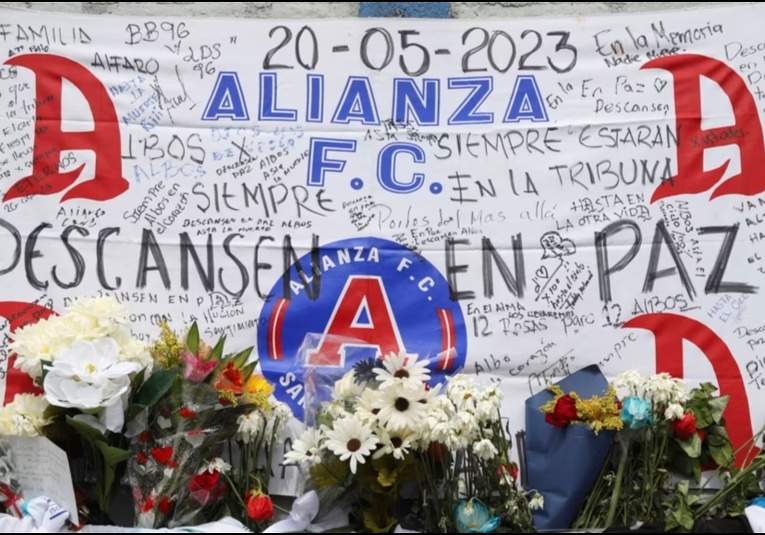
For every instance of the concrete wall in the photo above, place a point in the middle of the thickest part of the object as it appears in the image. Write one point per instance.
(309, 10)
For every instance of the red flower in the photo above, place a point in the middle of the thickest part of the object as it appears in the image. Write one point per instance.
(144, 437)
(165, 504)
(187, 413)
(685, 427)
(618, 404)
(260, 508)
(141, 458)
(564, 412)
(162, 455)
(507, 470)
(148, 505)
(207, 487)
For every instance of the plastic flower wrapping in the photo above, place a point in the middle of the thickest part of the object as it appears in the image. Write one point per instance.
(428, 457)
(210, 432)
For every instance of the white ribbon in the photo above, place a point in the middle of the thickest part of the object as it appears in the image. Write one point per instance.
(304, 510)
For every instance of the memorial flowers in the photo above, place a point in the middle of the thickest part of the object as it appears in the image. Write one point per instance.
(90, 368)
(431, 458)
(181, 468)
(662, 428)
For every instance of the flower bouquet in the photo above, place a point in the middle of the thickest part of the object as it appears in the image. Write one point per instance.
(662, 428)
(433, 459)
(91, 371)
(177, 472)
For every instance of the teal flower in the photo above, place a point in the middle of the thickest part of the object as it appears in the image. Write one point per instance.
(636, 413)
(473, 517)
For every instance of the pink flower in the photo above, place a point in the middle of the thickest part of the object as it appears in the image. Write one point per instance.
(195, 369)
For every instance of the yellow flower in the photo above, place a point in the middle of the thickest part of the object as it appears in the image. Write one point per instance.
(167, 350)
(257, 390)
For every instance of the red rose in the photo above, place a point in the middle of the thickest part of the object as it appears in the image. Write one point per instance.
(564, 412)
(685, 427)
(165, 505)
(207, 487)
(260, 508)
(144, 437)
(187, 413)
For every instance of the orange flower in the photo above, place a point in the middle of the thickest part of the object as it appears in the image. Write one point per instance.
(229, 380)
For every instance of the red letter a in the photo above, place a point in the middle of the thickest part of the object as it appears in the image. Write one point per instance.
(361, 295)
(50, 141)
(18, 315)
(692, 140)
(670, 330)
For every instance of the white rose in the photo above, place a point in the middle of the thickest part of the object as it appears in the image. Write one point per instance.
(89, 375)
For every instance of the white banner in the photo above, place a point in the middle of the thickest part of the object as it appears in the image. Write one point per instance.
(514, 198)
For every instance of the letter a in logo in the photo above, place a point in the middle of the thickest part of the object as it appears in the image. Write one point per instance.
(50, 140)
(693, 140)
(362, 317)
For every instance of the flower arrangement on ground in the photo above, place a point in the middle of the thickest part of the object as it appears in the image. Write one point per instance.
(177, 471)
(90, 370)
(408, 451)
(662, 429)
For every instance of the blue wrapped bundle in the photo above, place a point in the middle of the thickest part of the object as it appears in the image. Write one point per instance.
(563, 463)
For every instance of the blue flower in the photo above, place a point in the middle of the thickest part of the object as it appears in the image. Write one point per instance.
(636, 413)
(473, 517)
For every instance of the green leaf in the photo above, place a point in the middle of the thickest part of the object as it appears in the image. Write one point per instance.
(112, 457)
(152, 392)
(691, 446)
(720, 449)
(156, 387)
(717, 407)
(241, 358)
(88, 432)
(331, 473)
(192, 340)
(703, 415)
(217, 351)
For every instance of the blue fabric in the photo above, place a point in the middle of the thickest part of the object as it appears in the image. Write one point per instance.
(759, 501)
(418, 10)
(563, 463)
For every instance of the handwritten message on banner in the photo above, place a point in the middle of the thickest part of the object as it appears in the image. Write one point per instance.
(513, 198)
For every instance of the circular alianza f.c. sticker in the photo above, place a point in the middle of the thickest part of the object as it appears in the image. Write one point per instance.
(354, 300)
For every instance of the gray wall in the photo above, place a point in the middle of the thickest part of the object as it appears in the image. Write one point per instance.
(349, 9)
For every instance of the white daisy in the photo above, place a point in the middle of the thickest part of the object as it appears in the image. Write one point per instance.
(402, 408)
(402, 369)
(306, 449)
(396, 443)
(349, 439)
(368, 406)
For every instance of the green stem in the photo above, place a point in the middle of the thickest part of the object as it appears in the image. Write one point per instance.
(617, 487)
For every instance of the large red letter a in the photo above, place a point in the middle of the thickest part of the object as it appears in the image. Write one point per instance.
(50, 140)
(692, 140)
(670, 331)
